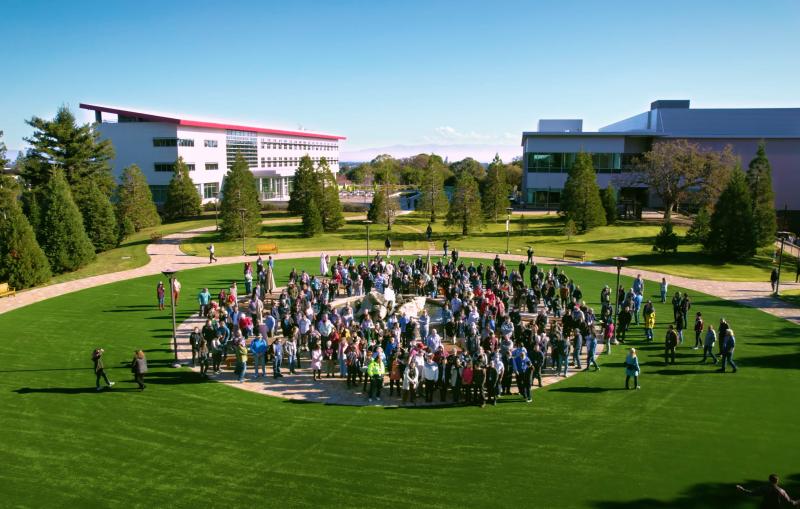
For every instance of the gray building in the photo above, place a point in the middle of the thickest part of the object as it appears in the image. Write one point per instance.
(549, 152)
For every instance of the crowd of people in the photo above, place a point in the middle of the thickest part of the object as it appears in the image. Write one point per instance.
(499, 327)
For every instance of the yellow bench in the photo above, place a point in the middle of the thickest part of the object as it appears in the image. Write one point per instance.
(266, 249)
(575, 254)
(6, 291)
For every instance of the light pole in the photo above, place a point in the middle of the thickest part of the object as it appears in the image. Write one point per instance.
(367, 222)
(620, 261)
(242, 210)
(216, 211)
(508, 227)
(783, 236)
(170, 275)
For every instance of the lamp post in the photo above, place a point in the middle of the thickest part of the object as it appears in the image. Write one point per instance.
(216, 211)
(783, 236)
(508, 226)
(170, 275)
(242, 210)
(620, 261)
(368, 222)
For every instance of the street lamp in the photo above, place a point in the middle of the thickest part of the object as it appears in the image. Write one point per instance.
(216, 211)
(368, 222)
(783, 236)
(508, 226)
(242, 210)
(620, 261)
(170, 275)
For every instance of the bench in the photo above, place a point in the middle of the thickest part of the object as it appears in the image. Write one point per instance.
(575, 254)
(6, 291)
(266, 249)
(156, 236)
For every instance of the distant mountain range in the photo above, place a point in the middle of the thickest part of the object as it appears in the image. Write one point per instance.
(479, 152)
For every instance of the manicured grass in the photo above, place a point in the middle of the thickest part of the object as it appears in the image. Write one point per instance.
(684, 440)
(631, 239)
(791, 296)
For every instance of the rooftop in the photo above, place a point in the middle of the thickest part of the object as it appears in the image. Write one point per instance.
(185, 121)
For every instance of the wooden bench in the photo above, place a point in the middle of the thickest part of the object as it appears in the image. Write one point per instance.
(266, 249)
(575, 254)
(156, 236)
(6, 291)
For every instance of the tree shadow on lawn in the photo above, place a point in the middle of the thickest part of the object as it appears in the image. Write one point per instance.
(586, 390)
(71, 390)
(705, 495)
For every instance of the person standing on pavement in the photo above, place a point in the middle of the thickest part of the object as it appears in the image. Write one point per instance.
(211, 257)
(537, 361)
(99, 368)
(388, 245)
(139, 368)
(194, 342)
(277, 358)
(773, 280)
(375, 371)
(258, 347)
(530, 255)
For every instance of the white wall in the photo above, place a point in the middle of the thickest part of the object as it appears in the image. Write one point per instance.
(133, 144)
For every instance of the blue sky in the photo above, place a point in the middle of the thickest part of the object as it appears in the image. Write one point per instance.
(387, 73)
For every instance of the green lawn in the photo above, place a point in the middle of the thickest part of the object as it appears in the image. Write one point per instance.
(682, 441)
(631, 239)
(791, 296)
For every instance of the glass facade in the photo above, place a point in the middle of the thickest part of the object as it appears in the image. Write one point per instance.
(561, 162)
(276, 187)
(241, 142)
(210, 190)
(549, 198)
(173, 142)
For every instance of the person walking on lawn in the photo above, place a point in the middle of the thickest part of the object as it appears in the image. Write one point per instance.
(649, 320)
(670, 343)
(708, 344)
(698, 330)
(160, 292)
(728, 345)
(99, 368)
(139, 368)
(632, 369)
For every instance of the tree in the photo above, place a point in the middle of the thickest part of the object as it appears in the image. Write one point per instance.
(514, 174)
(495, 190)
(377, 208)
(580, 200)
(77, 150)
(759, 180)
(62, 234)
(183, 200)
(22, 262)
(239, 191)
(135, 200)
(330, 205)
(385, 175)
(99, 218)
(465, 207)
(305, 187)
(732, 236)
(609, 198)
(673, 169)
(569, 229)
(701, 227)
(469, 165)
(666, 240)
(434, 199)
(3, 160)
(312, 219)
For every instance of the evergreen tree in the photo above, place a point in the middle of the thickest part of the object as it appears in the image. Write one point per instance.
(609, 198)
(701, 227)
(759, 180)
(377, 208)
(305, 187)
(77, 150)
(732, 236)
(239, 190)
(312, 219)
(385, 174)
(62, 234)
(434, 199)
(125, 228)
(98, 215)
(580, 200)
(331, 206)
(667, 239)
(135, 200)
(465, 207)
(495, 190)
(22, 261)
(183, 200)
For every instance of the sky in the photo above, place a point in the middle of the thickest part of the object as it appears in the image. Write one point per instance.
(428, 74)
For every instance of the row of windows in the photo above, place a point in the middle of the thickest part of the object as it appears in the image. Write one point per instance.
(170, 167)
(559, 162)
(207, 191)
(210, 143)
(297, 145)
(241, 142)
(173, 142)
(279, 162)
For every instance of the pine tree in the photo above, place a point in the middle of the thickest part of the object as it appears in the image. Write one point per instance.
(495, 190)
(732, 236)
(135, 200)
(580, 200)
(759, 180)
(183, 200)
(465, 207)
(312, 219)
(377, 208)
(77, 150)
(239, 190)
(667, 239)
(62, 234)
(701, 227)
(609, 198)
(22, 262)
(331, 206)
(305, 187)
(434, 199)
(98, 215)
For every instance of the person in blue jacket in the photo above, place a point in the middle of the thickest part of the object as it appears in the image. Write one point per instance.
(632, 369)
(258, 347)
(728, 345)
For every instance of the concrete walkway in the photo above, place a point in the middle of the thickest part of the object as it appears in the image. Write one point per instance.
(166, 253)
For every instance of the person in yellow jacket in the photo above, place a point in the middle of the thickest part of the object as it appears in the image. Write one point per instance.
(649, 313)
(375, 372)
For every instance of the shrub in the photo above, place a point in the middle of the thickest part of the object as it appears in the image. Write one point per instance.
(666, 240)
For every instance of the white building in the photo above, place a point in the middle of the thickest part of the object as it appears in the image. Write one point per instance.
(154, 142)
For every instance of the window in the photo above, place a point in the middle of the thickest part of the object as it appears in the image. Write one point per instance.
(212, 166)
(210, 143)
(173, 142)
(244, 143)
(190, 166)
(170, 167)
(210, 190)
